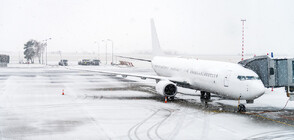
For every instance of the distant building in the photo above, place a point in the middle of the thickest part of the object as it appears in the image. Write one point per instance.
(4, 60)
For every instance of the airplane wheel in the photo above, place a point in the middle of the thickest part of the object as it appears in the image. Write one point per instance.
(171, 98)
(207, 96)
(241, 108)
(202, 96)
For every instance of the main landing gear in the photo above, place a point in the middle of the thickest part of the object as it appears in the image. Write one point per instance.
(170, 98)
(205, 95)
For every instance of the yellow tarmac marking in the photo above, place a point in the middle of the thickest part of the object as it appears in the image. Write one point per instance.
(273, 120)
(255, 114)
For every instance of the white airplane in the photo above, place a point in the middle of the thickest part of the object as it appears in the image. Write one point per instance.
(222, 78)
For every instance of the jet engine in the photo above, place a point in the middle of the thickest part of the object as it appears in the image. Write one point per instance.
(166, 88)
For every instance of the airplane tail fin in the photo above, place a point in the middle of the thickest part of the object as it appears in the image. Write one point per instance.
(156, 50)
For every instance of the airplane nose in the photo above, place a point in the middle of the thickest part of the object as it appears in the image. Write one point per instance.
(255, 90)
(258, 88)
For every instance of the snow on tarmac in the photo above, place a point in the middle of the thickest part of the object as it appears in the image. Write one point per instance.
(98, 106)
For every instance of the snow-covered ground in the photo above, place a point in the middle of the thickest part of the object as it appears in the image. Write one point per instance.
(99, 106)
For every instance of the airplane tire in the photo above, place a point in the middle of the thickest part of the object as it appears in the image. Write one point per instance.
(241, 108)
(202, 96)
(207, 96)
(171, 98)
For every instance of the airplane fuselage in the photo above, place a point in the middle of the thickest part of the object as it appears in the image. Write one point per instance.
(226, 79)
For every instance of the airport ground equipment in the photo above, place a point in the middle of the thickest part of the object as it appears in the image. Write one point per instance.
(63, 62)
(85, 62)
(126, 63)
(4, 60)
(95, 62)
(273, 72)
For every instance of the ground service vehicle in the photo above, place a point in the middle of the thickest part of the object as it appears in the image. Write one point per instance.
(85, 62)
(63, 62)
(95, 62)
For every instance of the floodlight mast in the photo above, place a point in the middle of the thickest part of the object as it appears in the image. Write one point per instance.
(111, 50)
(243, 40)
(105, 51)
(45, 40)
(96, 42)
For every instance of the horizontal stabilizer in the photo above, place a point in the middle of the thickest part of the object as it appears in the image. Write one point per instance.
(139, 59)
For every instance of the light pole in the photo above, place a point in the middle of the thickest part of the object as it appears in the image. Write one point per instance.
(98, 49)
(111, 50)
(105, 50)
(46, 47)
(243, 21)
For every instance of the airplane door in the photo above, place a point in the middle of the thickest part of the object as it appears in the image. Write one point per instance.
(227, 79)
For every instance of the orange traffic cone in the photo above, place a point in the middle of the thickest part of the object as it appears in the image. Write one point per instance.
(63, 92)
(272, 89)
(165, 100)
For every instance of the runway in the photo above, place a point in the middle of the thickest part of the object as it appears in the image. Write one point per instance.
(97, 106)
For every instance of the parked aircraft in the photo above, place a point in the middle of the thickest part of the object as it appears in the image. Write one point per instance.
(222, 78)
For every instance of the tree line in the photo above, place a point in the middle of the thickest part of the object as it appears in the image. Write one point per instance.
(34, 49)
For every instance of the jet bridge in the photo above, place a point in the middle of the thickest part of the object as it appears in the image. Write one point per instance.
(273, 72)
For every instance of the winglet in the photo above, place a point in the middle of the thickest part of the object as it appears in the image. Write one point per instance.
(156, 50)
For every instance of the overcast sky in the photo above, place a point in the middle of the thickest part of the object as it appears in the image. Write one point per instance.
(185, 26)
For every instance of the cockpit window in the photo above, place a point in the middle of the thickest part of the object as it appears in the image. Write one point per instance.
(242, 78)
(250, 77)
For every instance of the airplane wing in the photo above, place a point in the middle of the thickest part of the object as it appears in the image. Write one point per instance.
(178, 82)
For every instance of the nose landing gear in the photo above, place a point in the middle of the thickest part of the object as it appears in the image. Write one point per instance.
(241, 108)
(205, 95)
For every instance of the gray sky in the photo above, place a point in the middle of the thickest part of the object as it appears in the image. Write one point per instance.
(186, 26)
